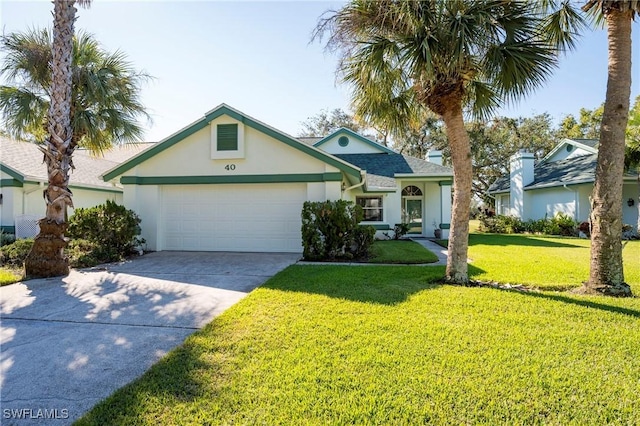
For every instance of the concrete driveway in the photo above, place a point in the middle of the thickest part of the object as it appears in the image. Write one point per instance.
(69, 342)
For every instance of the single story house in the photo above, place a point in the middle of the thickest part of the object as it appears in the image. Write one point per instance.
(230, 182)
(23, 177)
(561, 182)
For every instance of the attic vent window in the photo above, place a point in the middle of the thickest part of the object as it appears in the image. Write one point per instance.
(343, 141)
(227, 137)
(569, 148)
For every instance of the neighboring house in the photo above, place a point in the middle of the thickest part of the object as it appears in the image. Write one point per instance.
(231, 182)
(561, 182)
(23, 176)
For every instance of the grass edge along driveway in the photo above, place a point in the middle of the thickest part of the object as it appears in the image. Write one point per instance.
(389, 345)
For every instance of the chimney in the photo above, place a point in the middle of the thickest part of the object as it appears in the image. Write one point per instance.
(434, 157)
(521, 168)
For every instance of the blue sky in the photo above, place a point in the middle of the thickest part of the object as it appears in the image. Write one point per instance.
(258, 58)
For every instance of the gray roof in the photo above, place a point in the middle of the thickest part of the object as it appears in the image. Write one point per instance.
(381, 168)
(26, 159)
(571, 171)
(309, 140)
(593, 143)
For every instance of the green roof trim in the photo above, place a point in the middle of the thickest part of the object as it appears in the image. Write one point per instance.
(202, 180)
(6, 183)
(445, 183)
(14, 174)
(212, 115)
(355, 135)
(156, 149)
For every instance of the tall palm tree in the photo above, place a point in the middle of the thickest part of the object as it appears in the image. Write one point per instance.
(606, 270)
(105, 94)
(449, 56)
(64, 96)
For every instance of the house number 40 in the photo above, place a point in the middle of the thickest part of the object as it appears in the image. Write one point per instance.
(230, 167)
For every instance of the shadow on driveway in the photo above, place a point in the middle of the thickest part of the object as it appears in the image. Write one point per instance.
(69, 342)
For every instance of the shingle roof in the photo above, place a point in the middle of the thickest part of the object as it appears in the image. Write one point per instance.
(571, 171)
(309, 140)
(26, 159)
(382, 168)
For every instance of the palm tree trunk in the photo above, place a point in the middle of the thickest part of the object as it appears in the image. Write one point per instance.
(606, 269)
(457, 270)
(46, 258)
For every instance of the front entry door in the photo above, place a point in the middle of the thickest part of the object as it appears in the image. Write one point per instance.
(413, 212)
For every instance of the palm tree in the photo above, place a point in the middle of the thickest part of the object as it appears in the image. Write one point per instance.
(65, 94)
(606, 270)
(446, 56)
(105, 96)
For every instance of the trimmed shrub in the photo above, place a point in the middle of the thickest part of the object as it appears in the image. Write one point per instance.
(329, 230)
(6, 238)
(400, 230)
(363, 239)
(14, 254)
(84, 254)
(112, 227)
(560, 224)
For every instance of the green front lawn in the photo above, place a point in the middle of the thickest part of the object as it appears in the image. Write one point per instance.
(553, 263)
(324, 345)
(390, 345)
(400, 251)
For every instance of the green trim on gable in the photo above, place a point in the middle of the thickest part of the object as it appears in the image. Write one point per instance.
(156, 149)
(11, 172)
(6, 183)
(203, 180)
(354, 135)
(225, 110)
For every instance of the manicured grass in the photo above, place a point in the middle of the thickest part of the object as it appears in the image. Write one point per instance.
(552, 263)
(324, 345)
(400, 251)
(9, 276)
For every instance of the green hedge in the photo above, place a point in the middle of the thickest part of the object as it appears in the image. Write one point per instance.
(331, 230)
(560, 224)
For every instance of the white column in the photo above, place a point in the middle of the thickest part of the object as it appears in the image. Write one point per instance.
(445, 208)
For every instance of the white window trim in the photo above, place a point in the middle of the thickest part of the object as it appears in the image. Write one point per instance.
(381, 208)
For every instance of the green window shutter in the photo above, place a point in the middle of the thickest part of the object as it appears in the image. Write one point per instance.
(227, 137)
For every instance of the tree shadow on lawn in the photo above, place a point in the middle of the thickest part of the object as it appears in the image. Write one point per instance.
(518, 240)
(591, 303)
(386, 285)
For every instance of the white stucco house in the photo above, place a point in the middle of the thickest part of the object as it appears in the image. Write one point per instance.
(232, 183)
(561, 182)
(23, 177)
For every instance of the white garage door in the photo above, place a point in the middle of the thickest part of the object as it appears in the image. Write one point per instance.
(250, 217)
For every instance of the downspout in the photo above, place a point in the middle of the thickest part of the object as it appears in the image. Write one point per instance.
(363, 177)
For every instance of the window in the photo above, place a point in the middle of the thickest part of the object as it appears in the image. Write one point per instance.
(371, 207)
(227, 137)
(411, 191)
